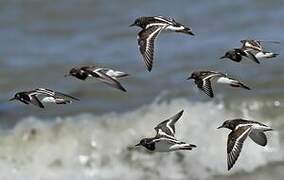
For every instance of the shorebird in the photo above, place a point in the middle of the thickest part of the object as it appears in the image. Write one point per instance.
(203, 81)
(151, 28)
(165, 140)
(106, 75)
(242, 128)
(42, 95)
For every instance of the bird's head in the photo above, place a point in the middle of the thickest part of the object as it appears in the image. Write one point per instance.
(227, 124)
(72, 72)
(137, 22)
(194, 75)
(17, 96)
(146, 142)
(228, 54)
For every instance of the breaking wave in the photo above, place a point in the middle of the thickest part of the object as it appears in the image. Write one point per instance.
(88, 146)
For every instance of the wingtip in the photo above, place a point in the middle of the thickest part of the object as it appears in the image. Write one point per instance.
(122, 89)
(149, 68)
(193, 145)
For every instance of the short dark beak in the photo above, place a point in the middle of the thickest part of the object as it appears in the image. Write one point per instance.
(131, 25)
(223, 57)
(138, 145)
(12, 99)
(66, 75)
(190, 77)
(219, 127)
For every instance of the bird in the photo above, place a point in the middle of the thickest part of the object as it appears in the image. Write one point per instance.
(42, 95)
(255, 46)
(152, 26)
(106, 75)
(203, 81)
(165, 140)
(237, 55)
(240, 129)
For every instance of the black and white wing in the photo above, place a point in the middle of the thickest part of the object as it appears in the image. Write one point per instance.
(34, 100)
(248, 53)
(167, 127)
(107, 79)
(204, 83)
(256, 44)
(205, 86)
(55, 94)
(146, 39)
(235, 143)
(251, 44)
(113, 73)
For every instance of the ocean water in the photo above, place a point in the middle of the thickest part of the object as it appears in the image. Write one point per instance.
(94, 138)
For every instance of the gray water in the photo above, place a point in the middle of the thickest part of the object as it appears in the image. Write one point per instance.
(91, 139)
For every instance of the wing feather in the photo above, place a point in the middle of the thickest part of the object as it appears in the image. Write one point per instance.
(146, 40)
(235, 144)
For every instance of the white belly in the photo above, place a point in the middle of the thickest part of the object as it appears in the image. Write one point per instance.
(48, 100)
(224, 80)
(263, 55)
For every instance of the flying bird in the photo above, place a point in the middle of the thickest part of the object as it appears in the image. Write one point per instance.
(203, 80)
(106, 75)
(42, 95)
(250, 49)
(165, 140)
(151, 28)
(240, 129)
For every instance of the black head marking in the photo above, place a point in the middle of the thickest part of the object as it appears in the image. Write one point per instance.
(147, 143)
(229, 125)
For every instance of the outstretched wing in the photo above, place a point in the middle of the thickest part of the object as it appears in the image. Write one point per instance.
(35, 101)
(167, 127)
(205, 86)
(235, 143)
(49, 92)
(146, 40)
(249, 54)
(108, 80)
(251, 44)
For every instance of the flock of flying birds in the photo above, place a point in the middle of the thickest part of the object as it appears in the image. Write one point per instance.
(165, 140)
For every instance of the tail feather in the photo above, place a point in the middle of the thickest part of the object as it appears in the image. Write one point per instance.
(184, 146)
(266, 54)
(239, 84)
(188, 147)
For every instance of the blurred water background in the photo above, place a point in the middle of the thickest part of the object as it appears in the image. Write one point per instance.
(91, 139)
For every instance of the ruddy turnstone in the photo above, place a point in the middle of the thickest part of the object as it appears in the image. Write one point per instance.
(106, 75)
(41, 95)
(165, 141)
(242, 128)
(203, 81)
(151, 28)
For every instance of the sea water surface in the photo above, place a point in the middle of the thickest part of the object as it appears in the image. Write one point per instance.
(93, 138)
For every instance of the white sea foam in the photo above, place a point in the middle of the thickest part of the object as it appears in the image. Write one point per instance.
(100, 147)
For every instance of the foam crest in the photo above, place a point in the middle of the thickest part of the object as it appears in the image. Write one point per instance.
(101, 147)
